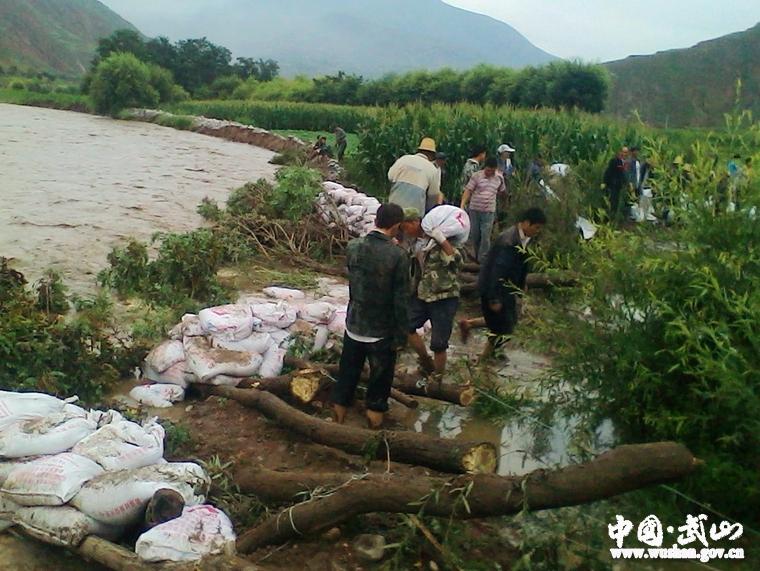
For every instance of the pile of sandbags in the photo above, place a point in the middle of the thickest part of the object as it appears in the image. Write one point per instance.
(223, 345)
(341, 206)
(67, 473)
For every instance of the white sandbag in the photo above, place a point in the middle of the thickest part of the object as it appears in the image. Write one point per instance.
(19, 406)
(158, 395)
(64, 525)
(320, 338)
(274, 316)
(8, 509)
(281, 338)
(198, 532)
(223, 381)
(273, 362)
(49, 481)
(165, 355)
(329, 185)
(234, 322)
(257, 342)
(191, 326)
(337, 324)
(9, 465)
(560, 169)
(319, 312)
(284, 294)
(206, 362)
(120, 498)
(124, 445)
(51, 434)
(175, 375)
(453, 222)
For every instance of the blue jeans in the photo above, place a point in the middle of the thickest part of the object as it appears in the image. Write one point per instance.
(481, 226)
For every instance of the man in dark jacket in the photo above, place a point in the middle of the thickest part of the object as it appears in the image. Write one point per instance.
(378, 315)
(615, 180)
(502, 280)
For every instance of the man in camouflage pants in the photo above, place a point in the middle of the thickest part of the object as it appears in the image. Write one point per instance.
(436, 299)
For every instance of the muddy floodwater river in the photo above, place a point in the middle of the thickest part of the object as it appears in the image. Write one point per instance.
(72, 186)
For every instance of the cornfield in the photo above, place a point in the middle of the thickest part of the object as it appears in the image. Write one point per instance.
(573, 138)
(279, 114)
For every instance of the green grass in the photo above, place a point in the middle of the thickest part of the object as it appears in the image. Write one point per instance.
(311, 137)
(64, 101)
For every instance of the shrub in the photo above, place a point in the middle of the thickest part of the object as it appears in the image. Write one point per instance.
(297, 189)
(121, 81)
(17, 85)
(249, 198)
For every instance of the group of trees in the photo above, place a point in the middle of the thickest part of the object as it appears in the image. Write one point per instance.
(558, 85)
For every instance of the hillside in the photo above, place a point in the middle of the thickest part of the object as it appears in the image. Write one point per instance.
(368, 37)
(689, 87)
(59, 36)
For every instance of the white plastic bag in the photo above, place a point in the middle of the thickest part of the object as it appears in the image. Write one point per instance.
(560, 169)
(52, 434)
(124, 445)
(165, 355)
(255, 343)
(452, 221)
(284, 293)
(120, 498)
(174, 375)
(64, 525)
(158, 395)
(587, 228)
(234, 322)
(198, 532)
(273, 361)
(49, 481)
(206, 363)
(320, 338)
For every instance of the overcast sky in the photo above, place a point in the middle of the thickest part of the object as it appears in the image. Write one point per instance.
(602, 30)
(593, 30)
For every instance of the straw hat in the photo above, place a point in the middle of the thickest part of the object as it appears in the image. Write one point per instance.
(427, 144)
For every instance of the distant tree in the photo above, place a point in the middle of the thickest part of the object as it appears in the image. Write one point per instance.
(120, 81)
(200, 62)
(342, 88)
(477, 82)
(128, 41)
(222, 87)
(576, 85)
(162, 52)
(260, 70)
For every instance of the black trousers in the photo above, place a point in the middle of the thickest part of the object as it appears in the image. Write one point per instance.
(382, 364)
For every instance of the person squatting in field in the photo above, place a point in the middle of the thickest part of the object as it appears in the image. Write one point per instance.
(415, 180)
(435, 297)
(377, 318)
(502, 281)
(479, 199)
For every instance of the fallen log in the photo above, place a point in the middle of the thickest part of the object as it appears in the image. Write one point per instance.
(331, 370)
(618, 471)
(401, 446)
(118, 558)
(408, 384)
(304, 385)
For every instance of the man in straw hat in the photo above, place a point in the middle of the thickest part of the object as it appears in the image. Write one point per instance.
(415, 180)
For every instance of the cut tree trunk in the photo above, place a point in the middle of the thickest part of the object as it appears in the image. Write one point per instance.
(304, 385)
(408, 384)
(331, 371)
(401, 446)
(118, 558)
(620, 470)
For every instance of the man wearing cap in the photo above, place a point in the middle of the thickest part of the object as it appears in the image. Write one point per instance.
(415, 179)
(505, 166)
(480, 195)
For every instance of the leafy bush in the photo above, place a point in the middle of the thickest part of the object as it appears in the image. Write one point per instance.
(249, 198)
(184, 269)
(209, 209)
(41, 351)
(121, 81)
(297, 189)
(17, 85)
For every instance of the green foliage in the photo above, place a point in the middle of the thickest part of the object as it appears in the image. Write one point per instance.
(297, 189)
(55, 100)
(671, 350)
(178, 439)
(121, 81)
(184, 269)
(249, 198)
(42, 351)
(279, 115)
(245, 510)
(51, 294)
(209, 209)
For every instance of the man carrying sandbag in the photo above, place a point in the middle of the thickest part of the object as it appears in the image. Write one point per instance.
(437, 295)
(415, 180)
(377, 318)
